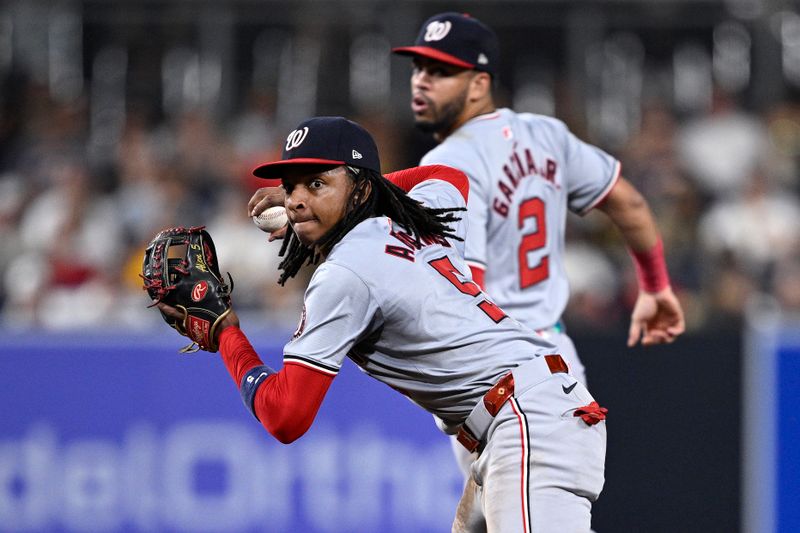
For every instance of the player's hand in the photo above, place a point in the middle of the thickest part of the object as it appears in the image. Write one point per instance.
(231, 319)
(657, 318)
(263, 199)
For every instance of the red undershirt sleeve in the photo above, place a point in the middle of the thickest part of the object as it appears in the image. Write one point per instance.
(287, 401)
(408, 178)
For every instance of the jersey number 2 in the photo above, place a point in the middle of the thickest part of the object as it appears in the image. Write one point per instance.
(533, 208)
(445, 267)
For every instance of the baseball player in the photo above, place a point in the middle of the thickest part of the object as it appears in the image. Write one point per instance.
(394, 294)
(525, 172)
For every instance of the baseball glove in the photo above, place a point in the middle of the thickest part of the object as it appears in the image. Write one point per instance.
(180, 268)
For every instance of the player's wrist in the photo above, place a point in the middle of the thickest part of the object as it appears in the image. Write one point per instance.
(227, 330)
(651, 268)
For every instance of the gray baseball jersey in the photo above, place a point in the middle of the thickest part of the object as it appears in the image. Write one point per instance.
(443, 347)
(525, 171)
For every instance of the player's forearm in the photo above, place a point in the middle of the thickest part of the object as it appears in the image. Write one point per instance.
(630, 213)
(285, 402)
(237, 353)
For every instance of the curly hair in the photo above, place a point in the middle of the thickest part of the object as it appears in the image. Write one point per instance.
(384, 199)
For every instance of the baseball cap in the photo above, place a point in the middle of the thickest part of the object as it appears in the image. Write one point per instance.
(456, 39)
(325, 141)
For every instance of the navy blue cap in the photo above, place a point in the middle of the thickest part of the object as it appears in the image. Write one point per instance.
(456, 39)
(325, 141)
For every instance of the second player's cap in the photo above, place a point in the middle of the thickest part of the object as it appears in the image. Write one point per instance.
(456, 39)
(325, 141)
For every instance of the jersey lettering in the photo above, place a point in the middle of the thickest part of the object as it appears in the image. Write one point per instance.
(501, 208)
(533, 208)
(399, 251)
(520, 165)
(410, 245)
(435, 239)
(406, 239)
(445, 267)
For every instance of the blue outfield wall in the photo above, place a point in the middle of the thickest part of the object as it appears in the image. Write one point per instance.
(771, 393)
(120, 433)
(788, 414)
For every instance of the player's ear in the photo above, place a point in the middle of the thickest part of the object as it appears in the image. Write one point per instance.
(480, 86)
(362, 191)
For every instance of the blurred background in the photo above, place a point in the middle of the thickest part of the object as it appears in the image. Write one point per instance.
(120, 117)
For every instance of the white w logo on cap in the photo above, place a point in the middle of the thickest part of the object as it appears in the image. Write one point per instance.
(296, 138)
(436, 30)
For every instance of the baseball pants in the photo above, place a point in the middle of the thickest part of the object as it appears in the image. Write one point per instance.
(566, 348)
(541, 468)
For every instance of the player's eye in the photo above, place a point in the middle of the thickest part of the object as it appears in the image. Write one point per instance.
(315, 184)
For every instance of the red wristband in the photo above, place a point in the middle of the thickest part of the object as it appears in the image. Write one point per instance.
(651, 268)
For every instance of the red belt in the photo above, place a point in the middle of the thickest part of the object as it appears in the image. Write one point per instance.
(499, 394)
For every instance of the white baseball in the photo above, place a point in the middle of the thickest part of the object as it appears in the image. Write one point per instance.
(272, 219)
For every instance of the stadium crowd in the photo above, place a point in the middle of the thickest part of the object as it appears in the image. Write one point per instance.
(76, 211)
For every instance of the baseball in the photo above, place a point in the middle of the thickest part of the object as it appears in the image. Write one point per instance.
(272, 219)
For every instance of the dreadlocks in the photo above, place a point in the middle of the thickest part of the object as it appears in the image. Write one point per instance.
(385, 199)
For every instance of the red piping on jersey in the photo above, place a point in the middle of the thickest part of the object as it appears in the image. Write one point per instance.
(600, 199)
(286, 402)
(407, 179)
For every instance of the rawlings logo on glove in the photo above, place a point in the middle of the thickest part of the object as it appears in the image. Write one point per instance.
(180, 269)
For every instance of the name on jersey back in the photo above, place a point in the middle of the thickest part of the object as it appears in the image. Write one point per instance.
(409, 246)
(520, 165)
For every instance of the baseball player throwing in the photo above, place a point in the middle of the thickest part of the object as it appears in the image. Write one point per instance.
(525, 172)
(394, 294)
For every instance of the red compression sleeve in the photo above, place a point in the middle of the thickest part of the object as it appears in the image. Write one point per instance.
(651, 268)
(237, 353)
(287, 401)
(408, 178)
(478, 276)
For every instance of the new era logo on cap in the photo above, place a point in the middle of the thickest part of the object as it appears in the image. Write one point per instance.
(458, 40)
(328, 141)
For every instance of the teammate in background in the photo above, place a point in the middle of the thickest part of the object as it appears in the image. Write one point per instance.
(525, 171)
(394, 295)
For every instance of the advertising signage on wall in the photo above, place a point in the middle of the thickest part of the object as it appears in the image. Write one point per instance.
(118, 436)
